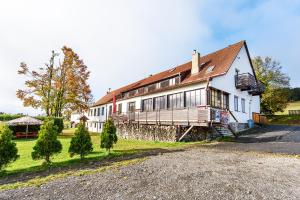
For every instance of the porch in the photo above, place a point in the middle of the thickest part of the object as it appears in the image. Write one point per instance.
(197, 116)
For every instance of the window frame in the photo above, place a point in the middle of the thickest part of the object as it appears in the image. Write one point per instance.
(243, 105)
(236, 103)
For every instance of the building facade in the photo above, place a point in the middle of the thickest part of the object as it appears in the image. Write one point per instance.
(216, 89)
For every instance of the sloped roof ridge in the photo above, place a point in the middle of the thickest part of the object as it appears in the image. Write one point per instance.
(178, 69)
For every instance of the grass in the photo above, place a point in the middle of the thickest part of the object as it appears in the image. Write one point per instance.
(284, 119)
(123, 147)
(42, 180)
(291, 106)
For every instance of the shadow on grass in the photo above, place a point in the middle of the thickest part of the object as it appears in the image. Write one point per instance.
(102, 160)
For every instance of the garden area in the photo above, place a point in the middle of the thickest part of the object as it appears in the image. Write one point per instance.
(25, 163)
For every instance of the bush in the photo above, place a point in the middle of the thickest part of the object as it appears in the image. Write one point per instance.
(47, 143)
(81, 143)
(58, 121)
(8, 149)
(108, 136)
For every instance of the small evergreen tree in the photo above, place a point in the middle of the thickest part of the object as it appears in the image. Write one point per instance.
(47, 143)
(108, 135)
(8, 149)
(81, 143)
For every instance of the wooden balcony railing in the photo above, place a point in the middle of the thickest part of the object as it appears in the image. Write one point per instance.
(247, 81)
(201, 116)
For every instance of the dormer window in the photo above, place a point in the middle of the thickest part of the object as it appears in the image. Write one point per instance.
(210, 69)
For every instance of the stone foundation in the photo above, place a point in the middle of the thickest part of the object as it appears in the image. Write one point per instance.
(162, 132)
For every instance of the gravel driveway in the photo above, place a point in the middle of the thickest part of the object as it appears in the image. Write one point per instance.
(214, 172)
(197, 173)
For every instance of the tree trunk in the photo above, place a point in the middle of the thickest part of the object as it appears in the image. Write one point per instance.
(47, 158)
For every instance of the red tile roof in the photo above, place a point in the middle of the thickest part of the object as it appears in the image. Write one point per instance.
(221, 60)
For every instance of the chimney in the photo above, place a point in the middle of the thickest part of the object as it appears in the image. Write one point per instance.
(195, 62)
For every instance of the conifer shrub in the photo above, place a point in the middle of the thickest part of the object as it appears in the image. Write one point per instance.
(47, 143)
(108, 136)
(8, 148)
(81, 142)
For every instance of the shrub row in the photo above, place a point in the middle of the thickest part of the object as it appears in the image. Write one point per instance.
(48, 144)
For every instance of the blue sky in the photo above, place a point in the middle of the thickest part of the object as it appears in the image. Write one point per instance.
(124, 41)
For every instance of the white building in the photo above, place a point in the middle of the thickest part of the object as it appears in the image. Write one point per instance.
(218, 88)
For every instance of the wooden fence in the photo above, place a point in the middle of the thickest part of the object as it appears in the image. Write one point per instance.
(294, 112)
(259, 118)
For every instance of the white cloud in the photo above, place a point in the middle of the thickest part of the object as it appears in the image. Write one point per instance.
(123, 41)
(120, 41)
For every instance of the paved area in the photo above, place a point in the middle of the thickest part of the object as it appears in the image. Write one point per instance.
(271, 139)
(197, 173)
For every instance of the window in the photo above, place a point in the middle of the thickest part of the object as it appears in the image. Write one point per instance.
(160, 103)
(215, 98)
(102, 112)
(219, 99)
(151, 87)
(243, 105)
(95, 110)
(194, 98)
(225, 102)
(147, 104)
(176, 100)
(131, 107)
(95, 125)
(165, 83)
(110, 110)
(236, 103)
(98, 112)
(174, 81)
(210, 69)
(119, 108)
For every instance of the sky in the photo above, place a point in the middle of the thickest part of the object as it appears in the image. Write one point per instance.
(122, 41)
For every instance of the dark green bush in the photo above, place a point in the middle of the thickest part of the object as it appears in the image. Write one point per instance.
(81, 143)
(58, 121)
(47, 143)
(8, 149)
(108, 136)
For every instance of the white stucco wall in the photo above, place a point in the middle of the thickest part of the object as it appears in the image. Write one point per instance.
(227, 84)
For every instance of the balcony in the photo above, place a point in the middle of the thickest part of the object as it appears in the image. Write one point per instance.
(247, 82)
(201, 116)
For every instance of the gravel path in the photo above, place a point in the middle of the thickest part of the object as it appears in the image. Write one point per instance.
(197, 173)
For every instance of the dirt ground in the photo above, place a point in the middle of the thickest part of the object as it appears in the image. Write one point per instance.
(240, 170)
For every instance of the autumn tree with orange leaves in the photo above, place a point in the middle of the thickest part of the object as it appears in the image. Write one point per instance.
(57, 88)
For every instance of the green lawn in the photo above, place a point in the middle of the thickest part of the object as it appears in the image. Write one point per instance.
(291, 106)
(123, 147)
(284, 119)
